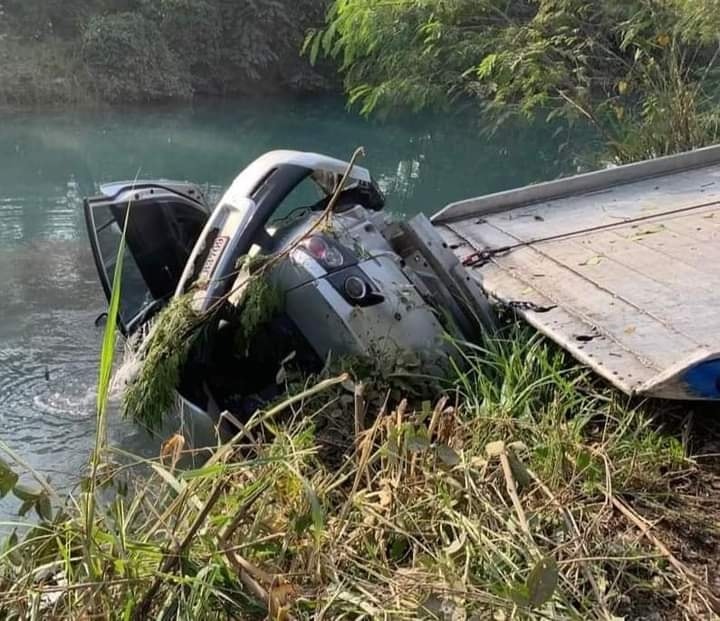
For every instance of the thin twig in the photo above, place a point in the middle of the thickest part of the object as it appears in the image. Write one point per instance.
(680, 567)
(324, 217)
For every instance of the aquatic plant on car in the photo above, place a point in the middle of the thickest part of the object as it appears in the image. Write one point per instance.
(152, 392)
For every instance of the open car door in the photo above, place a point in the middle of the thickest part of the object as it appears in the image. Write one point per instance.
(164, 221)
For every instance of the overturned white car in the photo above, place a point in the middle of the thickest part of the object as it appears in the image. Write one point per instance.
(355, 284)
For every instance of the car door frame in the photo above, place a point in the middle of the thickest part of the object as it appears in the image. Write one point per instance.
(146, 194)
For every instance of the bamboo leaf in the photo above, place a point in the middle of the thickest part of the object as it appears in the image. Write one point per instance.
(486, 67)
(328, 37)
(318, 516)
(315, 48)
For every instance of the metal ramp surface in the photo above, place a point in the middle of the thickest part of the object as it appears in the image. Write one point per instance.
(621, 267)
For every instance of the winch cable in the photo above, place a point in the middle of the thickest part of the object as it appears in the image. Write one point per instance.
(480, 258)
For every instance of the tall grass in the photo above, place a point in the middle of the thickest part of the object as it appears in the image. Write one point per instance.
(105, 370)
(517, 492)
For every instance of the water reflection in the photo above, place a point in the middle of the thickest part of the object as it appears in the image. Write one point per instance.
(50, 160)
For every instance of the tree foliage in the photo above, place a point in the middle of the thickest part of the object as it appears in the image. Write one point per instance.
(638, 70)
(65, 18)
(227, 45)
(128, 60)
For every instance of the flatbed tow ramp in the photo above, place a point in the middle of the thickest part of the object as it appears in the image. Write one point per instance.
(621, 267)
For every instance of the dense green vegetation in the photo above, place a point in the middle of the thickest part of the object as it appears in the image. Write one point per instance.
(151, 50)
(643, 72)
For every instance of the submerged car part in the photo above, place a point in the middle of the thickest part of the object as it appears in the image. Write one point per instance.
(356, 285)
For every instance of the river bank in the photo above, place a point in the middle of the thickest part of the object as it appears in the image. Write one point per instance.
(103, 53)
(608, 507)
(525, 489)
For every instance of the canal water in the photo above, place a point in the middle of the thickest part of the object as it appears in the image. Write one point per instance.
(49, 344)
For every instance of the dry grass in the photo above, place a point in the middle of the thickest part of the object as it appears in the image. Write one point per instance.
(519, 493)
